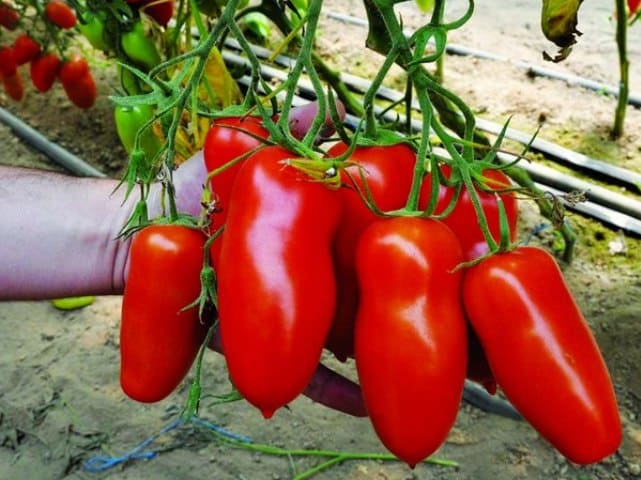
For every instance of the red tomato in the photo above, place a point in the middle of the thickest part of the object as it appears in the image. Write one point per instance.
(542, 352)
(276, 284)
(463, 220)
(8, 64)
(160, 10)
(158, 339)
(25, 49)
(8, 17)
(411, 350)
(389, 173)
(44, 70)
(228, 139)
(13, 86)
(78, 83)
(633, 7)
(60, 14)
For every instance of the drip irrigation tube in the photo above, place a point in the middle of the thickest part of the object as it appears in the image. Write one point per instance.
(634, 99)
(55, 152)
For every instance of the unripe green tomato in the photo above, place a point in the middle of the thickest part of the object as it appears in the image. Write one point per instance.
(139, 47)
(94, 31)
(128, 121)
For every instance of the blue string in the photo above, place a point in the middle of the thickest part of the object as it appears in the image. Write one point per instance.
(102, 463)
(535, 231)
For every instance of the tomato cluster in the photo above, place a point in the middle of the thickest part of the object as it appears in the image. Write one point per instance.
(304, 263)
(45, 66)
(302, 266)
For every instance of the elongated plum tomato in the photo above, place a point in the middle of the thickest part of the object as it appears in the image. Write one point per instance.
(60, 14)
(228, 139)
(158, 339)
(411, 350)
(463, 220)
(276, 284)
(388, 172)
(542, 352)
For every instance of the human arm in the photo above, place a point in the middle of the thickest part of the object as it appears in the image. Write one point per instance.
(59, 233)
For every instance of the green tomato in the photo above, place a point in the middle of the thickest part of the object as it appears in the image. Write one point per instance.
(94, 31)
(128, 121)
(139, 47)
(72, 303)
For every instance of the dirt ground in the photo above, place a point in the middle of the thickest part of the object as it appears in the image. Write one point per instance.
(60, 401)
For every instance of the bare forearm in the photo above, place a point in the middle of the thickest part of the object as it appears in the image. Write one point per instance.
(58, 233)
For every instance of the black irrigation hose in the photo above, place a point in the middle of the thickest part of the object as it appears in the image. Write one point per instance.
(533, 70)
(607, 206)
(55, 152)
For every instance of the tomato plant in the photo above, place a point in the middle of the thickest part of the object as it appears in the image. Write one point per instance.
(13, 86)
(9, 18)
(228, 139)
(44, 71)
(410, 344)
(60, 14)
(542, 352)
(128, 121)
(276, 284)
(463, 219)
(25, 49)
(388, 172)
(140, 48)
(77, 82)
(159, 338)
(8, 64)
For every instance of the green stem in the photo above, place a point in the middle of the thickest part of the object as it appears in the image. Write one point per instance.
(624, 92)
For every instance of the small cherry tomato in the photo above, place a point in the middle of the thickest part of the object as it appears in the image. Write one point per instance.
(60, 14)
(25, 49)
(44, 71)
(13, 86)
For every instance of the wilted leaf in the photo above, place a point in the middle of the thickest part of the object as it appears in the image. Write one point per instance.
(559, 19)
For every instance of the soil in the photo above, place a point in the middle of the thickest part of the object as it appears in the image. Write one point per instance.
(60, 401)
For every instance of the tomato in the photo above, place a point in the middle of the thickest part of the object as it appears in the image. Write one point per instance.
(633, 7)
(410, 343)
(9, 18)
(60, 14)
(160, 10)
(93, 29)
(463, 220)
(139, 47)
(158, 339)
(276, 284)
(13, 86)
(77, 82)
(389, 173)
(44, 71)
(228, 139)
(128, 121)
(25, 49)
(542, 352)
(8, 64)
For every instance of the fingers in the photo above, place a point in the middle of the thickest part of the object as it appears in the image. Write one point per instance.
(335, 391)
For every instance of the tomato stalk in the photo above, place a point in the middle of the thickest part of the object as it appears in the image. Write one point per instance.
(335, 457)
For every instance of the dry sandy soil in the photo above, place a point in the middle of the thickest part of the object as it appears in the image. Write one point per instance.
(60, 401)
